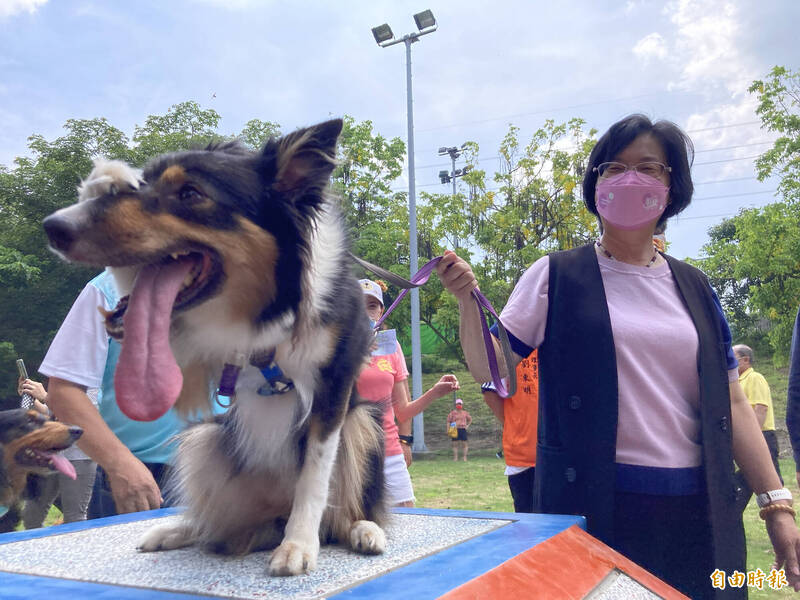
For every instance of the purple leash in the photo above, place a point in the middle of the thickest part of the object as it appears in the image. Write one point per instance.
(420, 278)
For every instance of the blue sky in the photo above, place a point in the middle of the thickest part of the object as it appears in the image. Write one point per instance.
(488, 65)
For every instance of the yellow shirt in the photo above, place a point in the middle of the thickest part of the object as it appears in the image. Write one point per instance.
(756, 389)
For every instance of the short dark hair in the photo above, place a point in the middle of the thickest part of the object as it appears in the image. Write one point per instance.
(678, 149)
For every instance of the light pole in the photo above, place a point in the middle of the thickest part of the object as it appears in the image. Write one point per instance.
(446, 177)
(426, 23)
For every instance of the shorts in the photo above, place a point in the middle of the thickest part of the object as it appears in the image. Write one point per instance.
(397, 481)
(461, 437)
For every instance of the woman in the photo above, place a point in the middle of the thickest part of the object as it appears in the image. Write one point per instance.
(641, 413)
(385, 381)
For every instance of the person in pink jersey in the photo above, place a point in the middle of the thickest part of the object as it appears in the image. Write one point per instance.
(641, 414)
(385, 380)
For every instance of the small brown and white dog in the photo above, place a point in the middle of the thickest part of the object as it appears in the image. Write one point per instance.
(30, 444)
(227, 256)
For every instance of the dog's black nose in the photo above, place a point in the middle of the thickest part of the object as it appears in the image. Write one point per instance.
(75, 432)
(60, 231)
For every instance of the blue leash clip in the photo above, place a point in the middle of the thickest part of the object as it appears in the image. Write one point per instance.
(277, 383)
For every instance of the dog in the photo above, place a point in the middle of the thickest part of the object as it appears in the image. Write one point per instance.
(29, 447)
(235, 265)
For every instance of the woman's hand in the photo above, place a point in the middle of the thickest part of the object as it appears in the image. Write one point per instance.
(446, 385)
(456, 275)
(42, 408)
(35, 389)
(785, 539)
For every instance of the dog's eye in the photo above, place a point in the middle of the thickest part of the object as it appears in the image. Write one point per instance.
(189, 193)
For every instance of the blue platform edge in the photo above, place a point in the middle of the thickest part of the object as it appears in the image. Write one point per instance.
(428, 577)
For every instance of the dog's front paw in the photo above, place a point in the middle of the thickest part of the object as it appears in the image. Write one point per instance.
(293, 558)
(166, 537)
(366, 537)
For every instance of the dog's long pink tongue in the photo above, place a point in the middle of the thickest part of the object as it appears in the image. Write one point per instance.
(62, 465)
(148, 380)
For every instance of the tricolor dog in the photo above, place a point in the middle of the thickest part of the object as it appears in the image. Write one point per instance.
(235, 273)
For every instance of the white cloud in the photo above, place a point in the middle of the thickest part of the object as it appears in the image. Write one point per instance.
(709, 61)
(230, 4)
(630, 6)
(707, 45)
(10, 8)
(734, 127)
(651, 46)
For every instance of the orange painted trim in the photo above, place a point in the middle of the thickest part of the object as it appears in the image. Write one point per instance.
(566, 566)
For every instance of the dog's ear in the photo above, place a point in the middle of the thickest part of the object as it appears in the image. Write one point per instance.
(302, 161)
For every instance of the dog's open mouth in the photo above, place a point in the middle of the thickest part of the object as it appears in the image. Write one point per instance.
(148, 379)
(45, 460)
(203, 271)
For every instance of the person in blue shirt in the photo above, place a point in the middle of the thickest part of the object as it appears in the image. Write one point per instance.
(133, 457)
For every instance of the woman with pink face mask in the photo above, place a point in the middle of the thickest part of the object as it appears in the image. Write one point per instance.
(641, 415)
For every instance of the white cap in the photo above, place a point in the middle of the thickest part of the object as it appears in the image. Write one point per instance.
(371, 288)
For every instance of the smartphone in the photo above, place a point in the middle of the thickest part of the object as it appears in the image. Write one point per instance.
(23, 372)
(27, 399)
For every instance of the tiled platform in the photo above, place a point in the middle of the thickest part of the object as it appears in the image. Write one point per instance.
(429, 552)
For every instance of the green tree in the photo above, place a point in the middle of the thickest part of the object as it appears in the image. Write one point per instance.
(779, 109)
(368, 166)
(186, 125)
(39, 288)
(256, 132)
(536, 208)
(753, 259)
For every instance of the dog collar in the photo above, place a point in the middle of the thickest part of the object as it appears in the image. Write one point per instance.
(276, 382)
(227, 381)
(3, 510)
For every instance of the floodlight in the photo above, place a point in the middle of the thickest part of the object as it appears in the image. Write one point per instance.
(424, 19)
(443, 150)
(382, 33)
(444, 176)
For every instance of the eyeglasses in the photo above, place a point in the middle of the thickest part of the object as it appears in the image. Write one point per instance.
(651, 169)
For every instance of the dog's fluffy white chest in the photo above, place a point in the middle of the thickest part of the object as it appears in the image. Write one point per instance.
(266, 425)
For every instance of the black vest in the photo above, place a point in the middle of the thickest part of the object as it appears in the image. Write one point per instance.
(578, 403)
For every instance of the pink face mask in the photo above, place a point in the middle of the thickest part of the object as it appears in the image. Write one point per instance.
(630, 200)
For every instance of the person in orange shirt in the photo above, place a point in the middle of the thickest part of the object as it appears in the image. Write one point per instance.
(519, 417)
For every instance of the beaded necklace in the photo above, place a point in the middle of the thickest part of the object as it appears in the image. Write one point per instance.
(605, 251)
